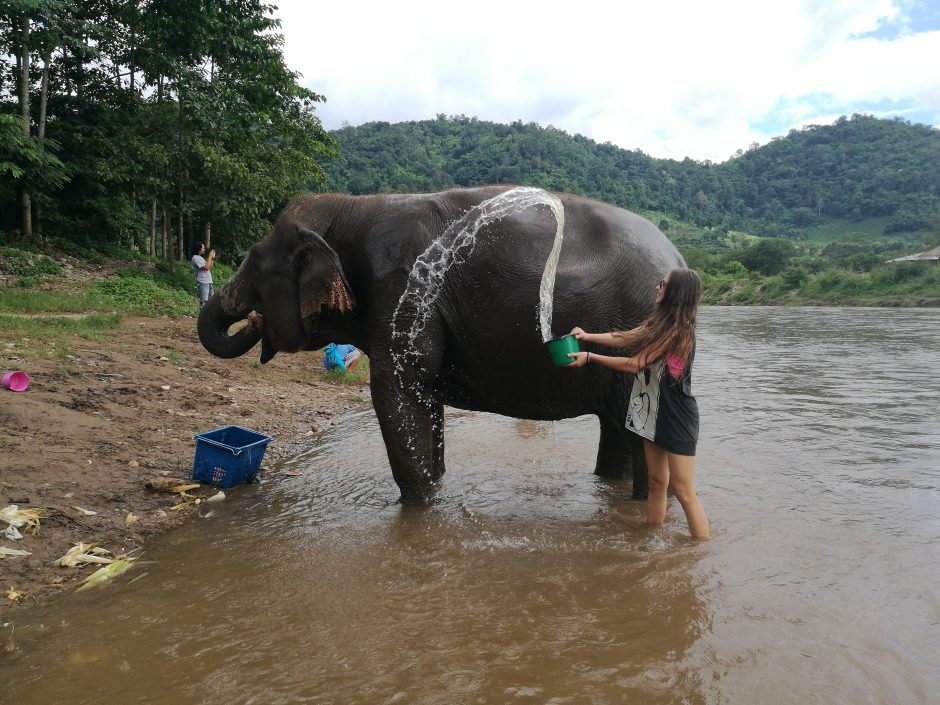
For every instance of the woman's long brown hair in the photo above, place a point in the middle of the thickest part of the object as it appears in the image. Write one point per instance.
(670, 329)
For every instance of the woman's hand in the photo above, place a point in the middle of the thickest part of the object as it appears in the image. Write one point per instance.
(578, 359)
(578, 333)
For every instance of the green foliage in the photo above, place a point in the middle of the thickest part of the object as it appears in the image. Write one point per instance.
(768, 256)
(860, 169)
(143, 296)
(901, 284)
(869, 229)
(794, 276)
(188, 107)
(11, 137)
(19, 262)
(701, 260)
(77, 250)
(734, 268)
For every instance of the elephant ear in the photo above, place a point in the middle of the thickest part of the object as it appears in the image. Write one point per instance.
(321, 280)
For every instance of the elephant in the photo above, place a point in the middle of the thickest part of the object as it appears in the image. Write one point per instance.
(452, 296)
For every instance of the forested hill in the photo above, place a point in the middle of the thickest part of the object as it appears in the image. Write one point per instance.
(859, 167)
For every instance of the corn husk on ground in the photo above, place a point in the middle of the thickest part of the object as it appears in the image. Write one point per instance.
(82, 554)
(4, 552)
(105, 573)
(26, 519)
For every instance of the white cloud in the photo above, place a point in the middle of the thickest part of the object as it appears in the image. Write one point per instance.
(672, 78)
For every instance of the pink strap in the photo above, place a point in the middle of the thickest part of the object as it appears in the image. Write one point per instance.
(675, 364)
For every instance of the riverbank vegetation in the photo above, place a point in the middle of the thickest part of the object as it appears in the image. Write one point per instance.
(132, 130)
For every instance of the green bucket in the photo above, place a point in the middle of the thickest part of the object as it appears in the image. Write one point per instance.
(559, 348)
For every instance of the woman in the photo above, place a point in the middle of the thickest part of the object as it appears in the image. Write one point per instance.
(342, 357)
(662, 409)
(202, 268)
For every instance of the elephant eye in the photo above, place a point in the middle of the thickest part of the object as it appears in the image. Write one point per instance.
(303, 261)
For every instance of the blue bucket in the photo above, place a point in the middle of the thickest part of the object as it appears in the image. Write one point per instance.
(228, 455)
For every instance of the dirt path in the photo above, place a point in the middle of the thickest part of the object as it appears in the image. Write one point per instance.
(91, 434)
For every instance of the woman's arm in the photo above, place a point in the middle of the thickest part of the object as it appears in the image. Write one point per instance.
(608, 339)
(621, 364)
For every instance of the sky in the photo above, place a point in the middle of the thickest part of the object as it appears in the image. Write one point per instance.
(672, 78)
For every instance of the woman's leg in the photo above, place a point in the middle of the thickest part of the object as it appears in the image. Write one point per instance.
(682, 479)
(657, 468)
(352, 359)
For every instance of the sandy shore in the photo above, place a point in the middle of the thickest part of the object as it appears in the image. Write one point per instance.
(92, 431)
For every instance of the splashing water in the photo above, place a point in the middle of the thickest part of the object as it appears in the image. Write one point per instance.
(453, 246)
(547, 286)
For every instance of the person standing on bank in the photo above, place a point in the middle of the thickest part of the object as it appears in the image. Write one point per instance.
(202, 268)
(662, 409)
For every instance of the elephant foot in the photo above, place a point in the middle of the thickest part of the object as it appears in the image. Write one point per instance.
(641, 484)
(411, 498)
(620, 454)
(437, 472)
(609, 472)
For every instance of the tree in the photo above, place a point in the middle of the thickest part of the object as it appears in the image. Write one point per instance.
(768, 255)
(35, 166)
(180, 112)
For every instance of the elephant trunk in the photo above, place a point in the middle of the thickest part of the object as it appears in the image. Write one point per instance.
(214, 322)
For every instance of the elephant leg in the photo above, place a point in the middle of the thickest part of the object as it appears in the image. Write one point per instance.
(415, 449)
(619, 453)
(641, 487)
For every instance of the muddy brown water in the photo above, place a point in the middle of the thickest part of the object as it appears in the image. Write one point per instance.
(530, 580)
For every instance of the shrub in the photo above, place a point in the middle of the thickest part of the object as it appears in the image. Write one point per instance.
(794, 276)
(26, 264)
(734, 268)
(143, 296)
(768, 256)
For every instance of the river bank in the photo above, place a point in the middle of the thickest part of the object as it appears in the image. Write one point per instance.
(94, 430)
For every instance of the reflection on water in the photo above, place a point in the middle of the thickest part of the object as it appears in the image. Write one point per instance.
(532, 580)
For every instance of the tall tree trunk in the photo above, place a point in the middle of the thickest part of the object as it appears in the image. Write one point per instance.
(153, 228)
(171, 244)
(164, 247)
(190, 234)
(43, 104)
(181, 236)
(207, 235)
(26, 206)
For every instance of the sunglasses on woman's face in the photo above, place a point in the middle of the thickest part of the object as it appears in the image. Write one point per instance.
(662, 284)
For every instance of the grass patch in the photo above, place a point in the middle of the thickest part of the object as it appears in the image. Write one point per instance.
(868, 230)
(142, 296)
(19, 300)
(131, 295)
(48, 337)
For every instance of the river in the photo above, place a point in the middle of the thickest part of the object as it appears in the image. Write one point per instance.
(531, 580)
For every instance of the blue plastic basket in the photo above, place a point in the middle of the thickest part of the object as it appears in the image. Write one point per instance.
(228, 455)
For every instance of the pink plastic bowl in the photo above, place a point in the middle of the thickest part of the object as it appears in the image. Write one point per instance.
(16, 380)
